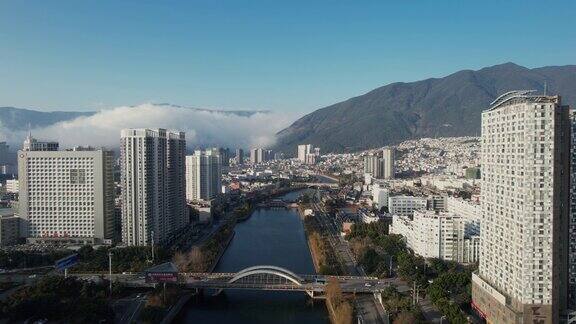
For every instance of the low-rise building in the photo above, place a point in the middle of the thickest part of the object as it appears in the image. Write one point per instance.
(367, 217)
(9, 227)
(440, 235)
(12, 186)
(469, 210)
(406, 205)
(380, 195)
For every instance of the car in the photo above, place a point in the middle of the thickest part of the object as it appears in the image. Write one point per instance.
(368, 284)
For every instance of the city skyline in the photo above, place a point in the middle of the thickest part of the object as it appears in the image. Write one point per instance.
(303, 162)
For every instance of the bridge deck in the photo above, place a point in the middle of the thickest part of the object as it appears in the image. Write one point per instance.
(259, 281)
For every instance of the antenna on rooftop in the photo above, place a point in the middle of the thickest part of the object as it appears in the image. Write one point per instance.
(545, 87)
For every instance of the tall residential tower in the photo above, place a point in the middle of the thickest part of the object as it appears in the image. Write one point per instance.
(523, 271)
(388, 153)
(153, 185)
(203, 175)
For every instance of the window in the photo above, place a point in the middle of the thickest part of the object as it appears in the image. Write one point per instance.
(77, 176)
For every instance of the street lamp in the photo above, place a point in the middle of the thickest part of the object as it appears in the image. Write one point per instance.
(110, 271)
(442, 318)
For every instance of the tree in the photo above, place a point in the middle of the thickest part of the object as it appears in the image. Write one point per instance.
(405, 318)
(59, 299)
(343, 311)
(371, 260)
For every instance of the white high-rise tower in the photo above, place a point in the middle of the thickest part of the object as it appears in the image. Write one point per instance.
(523, 271)
(203, 175)
(153, 185)
(389, 156)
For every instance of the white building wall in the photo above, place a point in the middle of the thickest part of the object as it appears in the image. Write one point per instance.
(520, 198)
(406, 205)
(380, 195)
(437, 235)
(153, 185)
(66, 194)
(203, 176)
(12, 186)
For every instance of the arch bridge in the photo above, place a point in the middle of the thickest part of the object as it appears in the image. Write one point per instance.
(268, 277)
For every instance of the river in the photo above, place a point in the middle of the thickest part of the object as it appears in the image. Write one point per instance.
(268, 237)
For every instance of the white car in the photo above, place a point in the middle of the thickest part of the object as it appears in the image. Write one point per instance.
(367, 284)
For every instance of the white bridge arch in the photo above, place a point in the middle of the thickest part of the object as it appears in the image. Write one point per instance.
(268, 269)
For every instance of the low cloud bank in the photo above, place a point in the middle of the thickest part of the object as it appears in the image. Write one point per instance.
(203, 128)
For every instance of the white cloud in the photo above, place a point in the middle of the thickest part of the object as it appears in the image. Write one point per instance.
(203, 128)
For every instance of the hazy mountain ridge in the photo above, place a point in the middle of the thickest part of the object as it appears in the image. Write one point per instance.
(448, 106)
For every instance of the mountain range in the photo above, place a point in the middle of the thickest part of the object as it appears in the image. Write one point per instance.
(448, 106)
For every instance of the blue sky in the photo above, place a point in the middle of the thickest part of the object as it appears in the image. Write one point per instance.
(293, 56)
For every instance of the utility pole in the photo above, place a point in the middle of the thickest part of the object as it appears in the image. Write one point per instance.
(110, 271)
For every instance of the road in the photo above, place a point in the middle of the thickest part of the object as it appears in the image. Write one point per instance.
(367, 307)
(127, 310)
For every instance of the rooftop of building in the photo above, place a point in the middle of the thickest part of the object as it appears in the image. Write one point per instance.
(6, 212)
(521, 96)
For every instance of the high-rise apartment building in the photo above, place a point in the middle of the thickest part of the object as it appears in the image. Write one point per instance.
(153, 185)
(4, 153)
(259, 155)
(303, 151)
(240, 156)
(572, 247)
(66, 195)
(256, 155)
(308, 154)
(374, 166)
(525, 174)
(223, 153)
(388, 153)
(203, 175)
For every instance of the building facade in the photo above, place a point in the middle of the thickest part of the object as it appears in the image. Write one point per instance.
(239, 156)
(388, 153)
(32, 144)
(380, 195)
(572, 226)
(303, 151)
(9, 227)
(66, 195)
(523, 270)
(260, 155)
(153, 184)
(469, 210)
(406, 205)
(308, 154)
(441, 235)
(374, 166)
(203, 176)
(12, 186)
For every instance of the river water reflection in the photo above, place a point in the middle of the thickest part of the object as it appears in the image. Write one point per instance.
(270, 237)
